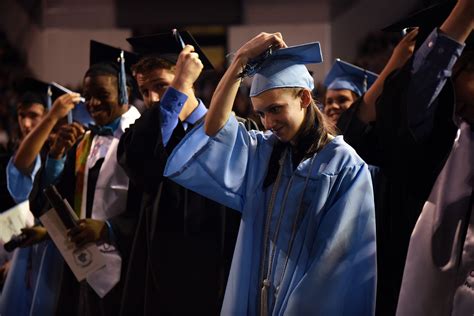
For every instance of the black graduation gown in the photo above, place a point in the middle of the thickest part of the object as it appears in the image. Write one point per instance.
(183, 243)
(407, 168)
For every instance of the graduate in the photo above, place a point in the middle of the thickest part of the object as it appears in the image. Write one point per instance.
(410, 138)
(306, 243)
(439, 266)
(32, 281)
(345, 83)
(182, 242)
(95, 185)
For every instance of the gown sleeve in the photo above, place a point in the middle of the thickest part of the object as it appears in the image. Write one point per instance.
(19, 184)
(217, 167)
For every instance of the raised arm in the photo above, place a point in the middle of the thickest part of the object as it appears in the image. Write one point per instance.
(432, 66)
(224, 95)
(34, 141)
(401, 54)
(179, 100)
(460, 22)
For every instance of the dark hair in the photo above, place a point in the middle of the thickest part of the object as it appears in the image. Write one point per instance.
(150, 63)
(29, 98)
(315, 124)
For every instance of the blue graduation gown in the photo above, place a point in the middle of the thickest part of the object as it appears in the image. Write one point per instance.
(331, 267)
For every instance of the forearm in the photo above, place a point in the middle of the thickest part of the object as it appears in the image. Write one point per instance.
(32, 144)
(459, 23)
(223, 98)
(367, 111)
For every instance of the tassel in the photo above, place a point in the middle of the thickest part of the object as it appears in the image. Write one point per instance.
(123, 81)
(264, 298)
(365, 83)
(49, 95)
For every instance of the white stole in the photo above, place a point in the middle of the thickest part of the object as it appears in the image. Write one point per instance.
(110, 199)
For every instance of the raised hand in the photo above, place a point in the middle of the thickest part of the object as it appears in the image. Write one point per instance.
(404, 49)
(188, 69)
(64, 139)
(258, 45)
(63, 105)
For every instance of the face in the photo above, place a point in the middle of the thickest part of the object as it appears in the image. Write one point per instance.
(153, 84)
(337, 102)
(102, 102)
(29, 117)
(464, 86)
(281, 112)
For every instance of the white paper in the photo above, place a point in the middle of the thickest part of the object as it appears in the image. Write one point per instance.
(81, 261)
(14, 219)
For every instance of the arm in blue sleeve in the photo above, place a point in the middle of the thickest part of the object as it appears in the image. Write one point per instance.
(19, 185)
(432, 65)
(216, 167)
(170, 107)
(52, 170)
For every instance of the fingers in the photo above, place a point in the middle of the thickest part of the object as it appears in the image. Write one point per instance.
(70, 133)
(411, 35)
(87, 231)
(188, 55)
(80, 235)
(188, 49)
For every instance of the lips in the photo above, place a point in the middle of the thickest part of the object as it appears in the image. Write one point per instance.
(97, 110)
(278, 130)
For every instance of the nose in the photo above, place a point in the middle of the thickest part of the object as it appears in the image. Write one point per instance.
(92, 103)
(333, 105)
(154, 96)
(268, 122)
(151, 98)
(27, 123)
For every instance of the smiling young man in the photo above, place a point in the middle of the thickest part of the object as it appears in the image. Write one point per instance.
(95, 185)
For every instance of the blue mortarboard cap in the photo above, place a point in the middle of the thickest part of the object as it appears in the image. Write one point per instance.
(284, 68)
(346, 76)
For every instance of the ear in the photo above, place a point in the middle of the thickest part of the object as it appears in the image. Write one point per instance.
(305, 98)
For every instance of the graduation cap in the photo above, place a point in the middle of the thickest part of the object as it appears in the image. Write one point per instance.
(32, 90)
(284, 68)
(346, 76)
(427, 19)
(168, 46)
(120, 59)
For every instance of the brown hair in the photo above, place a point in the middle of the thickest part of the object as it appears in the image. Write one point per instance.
(315, 124)
(150, 63)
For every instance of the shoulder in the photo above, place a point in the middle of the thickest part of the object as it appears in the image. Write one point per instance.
(337, 156)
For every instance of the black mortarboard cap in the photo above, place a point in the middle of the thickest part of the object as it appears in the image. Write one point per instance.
(427, 19)
(103, 53)
(168, 46)
(31, 90)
